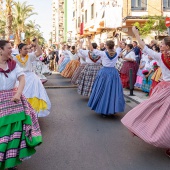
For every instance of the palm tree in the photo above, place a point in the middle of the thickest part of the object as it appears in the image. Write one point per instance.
(9, 17)
(31, 30)
(21, 13)
(2, 26)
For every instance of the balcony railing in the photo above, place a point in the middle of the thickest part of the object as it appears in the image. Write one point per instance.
(138, 8)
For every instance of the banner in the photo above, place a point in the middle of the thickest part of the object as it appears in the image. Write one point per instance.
(81, 28)
(113, 17)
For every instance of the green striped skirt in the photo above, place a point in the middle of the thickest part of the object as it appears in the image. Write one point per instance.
(19, 130)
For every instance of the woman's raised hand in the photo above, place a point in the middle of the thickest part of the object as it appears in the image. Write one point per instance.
(135, 30)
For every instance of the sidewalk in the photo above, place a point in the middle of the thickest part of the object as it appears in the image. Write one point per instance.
(138, 97)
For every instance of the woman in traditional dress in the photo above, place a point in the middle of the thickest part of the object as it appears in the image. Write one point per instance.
(88, 74)
(72, 65)
(129, 63)
(107, 94)
(19, 129)
(147, 81)
(67, 54)
(156, 79)
(150, 119)
(120, 60)
(61, 55)
(77, 72)
(34, 91)
(140, 75)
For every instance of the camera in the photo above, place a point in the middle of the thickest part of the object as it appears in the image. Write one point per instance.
(137, 28)
(116, 35)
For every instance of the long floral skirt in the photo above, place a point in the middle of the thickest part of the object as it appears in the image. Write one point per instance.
(150, 119)
(124, 73)
(87, 78)
(70, 68)
(19, 130)
(76, 74)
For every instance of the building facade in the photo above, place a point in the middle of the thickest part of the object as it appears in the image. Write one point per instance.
(135, 10)
(101, 18)
(57, 34)
(54, 22)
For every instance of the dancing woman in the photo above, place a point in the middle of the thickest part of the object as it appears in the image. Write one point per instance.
(107, 93)
(19, 128)
(72, 65)
(88, 74)
(34, 91)
(150, 119)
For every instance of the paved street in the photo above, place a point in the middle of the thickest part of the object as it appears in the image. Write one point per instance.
(75, 138)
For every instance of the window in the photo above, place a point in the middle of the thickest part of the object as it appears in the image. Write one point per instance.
(92, 11)
(166, 4)
(86, 16)
(139, 5)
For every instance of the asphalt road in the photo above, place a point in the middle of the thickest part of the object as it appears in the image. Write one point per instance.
(76, 138)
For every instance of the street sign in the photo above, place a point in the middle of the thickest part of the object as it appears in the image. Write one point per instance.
(167, 21)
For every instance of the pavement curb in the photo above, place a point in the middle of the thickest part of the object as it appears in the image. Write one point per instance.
(130, 98)
(57, 87)
(133, 98)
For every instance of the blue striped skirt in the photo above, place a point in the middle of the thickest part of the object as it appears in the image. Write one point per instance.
(63, 64)
(107, 92)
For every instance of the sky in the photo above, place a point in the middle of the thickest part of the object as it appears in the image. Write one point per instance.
(44, 10)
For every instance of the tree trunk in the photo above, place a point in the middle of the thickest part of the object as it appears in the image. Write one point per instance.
(17, 38)
(8, 29)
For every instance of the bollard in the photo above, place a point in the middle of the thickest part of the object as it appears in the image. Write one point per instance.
(131, 81)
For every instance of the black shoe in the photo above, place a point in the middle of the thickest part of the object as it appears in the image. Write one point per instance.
(104, 116)
(168, 153)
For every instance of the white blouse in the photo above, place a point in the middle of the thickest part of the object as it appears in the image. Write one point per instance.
(106, 62)
(29, 64)
(74, 56)
(85, 55)
(8, 83)
(149, 64)
(82, 60)
(157, 56)
(130, 55)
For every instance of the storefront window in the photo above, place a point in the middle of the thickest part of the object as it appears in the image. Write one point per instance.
(166, 5)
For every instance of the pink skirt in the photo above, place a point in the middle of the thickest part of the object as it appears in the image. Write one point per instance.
(150, 120)
(139, 80)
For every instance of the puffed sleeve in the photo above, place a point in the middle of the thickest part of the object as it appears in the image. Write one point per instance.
(132, 55)
(155, 55)
(118, 51)
(32, 56)
(83, 53)
(18, 71)
(99, 53)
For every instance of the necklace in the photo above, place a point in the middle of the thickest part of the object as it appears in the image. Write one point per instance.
(23, 62)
